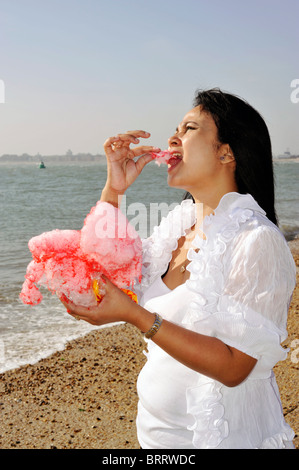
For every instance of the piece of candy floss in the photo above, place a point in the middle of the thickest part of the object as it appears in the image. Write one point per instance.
(71, 262)
(162, 157)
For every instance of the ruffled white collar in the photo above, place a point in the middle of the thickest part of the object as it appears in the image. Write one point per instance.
(232, 210)
(233, 200)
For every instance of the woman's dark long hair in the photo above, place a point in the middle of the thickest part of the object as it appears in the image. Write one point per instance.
(244, 130)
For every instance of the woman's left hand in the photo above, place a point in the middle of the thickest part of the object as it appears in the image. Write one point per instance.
(114, 307)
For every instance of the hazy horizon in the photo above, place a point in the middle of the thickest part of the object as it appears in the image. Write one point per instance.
(74, 73)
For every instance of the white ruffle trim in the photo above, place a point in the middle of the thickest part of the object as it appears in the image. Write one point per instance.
(204, 404)
(158, 248)
(210, 428)
(279, 441)
(206, 267)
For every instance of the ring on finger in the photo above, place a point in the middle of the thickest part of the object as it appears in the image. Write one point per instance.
(117, 145)
(77, 318)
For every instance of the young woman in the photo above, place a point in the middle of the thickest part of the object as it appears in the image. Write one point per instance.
(216, 285)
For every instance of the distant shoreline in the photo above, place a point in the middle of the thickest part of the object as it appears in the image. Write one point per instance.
(47, 159)
(294, 159)
(49, 163)
(83, 158)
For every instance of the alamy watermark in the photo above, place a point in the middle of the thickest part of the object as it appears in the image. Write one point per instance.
(2, 92)
(142, 219)
(295, 93)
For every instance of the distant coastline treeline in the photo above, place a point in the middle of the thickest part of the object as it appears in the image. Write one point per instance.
(68, 157)
(84, 157)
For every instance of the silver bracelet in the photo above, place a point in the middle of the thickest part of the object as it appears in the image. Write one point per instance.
(156, 325)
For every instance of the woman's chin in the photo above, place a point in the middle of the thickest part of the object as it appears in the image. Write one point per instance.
(175, 182)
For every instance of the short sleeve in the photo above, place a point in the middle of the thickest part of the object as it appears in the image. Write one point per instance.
(259, 279)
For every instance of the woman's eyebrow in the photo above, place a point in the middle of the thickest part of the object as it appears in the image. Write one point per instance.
(185, 124)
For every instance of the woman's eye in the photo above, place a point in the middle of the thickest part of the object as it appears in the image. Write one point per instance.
(190, 127)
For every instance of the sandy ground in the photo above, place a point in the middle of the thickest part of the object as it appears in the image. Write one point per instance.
(85, 396)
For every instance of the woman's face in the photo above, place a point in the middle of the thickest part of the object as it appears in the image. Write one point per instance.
(195, 146)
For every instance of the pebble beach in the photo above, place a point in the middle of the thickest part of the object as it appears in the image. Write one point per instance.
(84, 397)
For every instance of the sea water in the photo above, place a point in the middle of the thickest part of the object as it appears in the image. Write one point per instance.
(34, 200)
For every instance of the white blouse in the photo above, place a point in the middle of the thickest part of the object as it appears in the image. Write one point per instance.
(241, 281)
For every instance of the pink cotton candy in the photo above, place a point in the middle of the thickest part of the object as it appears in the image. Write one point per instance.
(30, 293)
(44, 246)
(67, 261)
(111, 243)
(162, 157)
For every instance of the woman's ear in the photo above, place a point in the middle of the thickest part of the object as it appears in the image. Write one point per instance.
(225, 154)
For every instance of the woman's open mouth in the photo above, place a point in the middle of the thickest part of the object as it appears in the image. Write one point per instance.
(174, 161)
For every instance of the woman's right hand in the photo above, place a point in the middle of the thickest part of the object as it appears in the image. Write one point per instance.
(122, 170)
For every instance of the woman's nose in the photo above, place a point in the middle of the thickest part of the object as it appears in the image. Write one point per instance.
(174, 141)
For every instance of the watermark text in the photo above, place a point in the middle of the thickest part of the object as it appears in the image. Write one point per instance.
(295, 93)
(142, 219)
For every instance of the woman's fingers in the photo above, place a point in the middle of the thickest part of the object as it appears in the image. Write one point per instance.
(120, 141)
(122, 169)
(119, 144)
(78, 312)
(144, 149)
(71, 308)
(142, 161)
(136, 134)
(130, 137)
(115, 305)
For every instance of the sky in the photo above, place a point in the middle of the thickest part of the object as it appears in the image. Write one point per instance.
(74, 72)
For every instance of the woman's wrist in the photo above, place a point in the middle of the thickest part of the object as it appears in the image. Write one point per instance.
(141, 318)
(111, 196)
